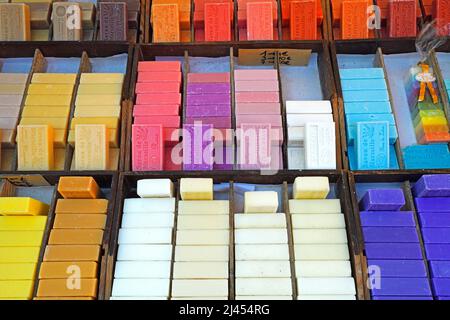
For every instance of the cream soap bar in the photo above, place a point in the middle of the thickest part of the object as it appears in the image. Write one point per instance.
(323, 269)
(261, 202)
(136, 205)
(203, 237)
(311, 187)
(263, 286)
(320, 236)
(263, 269)
(196, 188)
(145, 220)
(155, 188)
(260, 236)
(321, 252)
(142, 269)
(140, 287)
(145, 236)
(261, 252)
(315, 206)
(144, 252)
(200, 270)
(259, 220)
(204, 207)
(197, 288)
(326, 297)
(318, 221)
(201, 253)
(203, 221)
(332, 286)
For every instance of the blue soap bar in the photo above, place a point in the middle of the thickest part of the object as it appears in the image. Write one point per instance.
(439, 269)
(390, 234)
(363, 84)
(432, 204)
(434, 219)
(402, 287)
(399, 268)
(441, 286)
(387, 219)
(436, 235)
(383, 200)
(442, 298)
(439, 252)
(393, 162)
(447, 84)
(432, 185)
(365, 96)
(430, 156)
(367, 107)
(352, 134)
(372, 145)
(402, 298)
(361, 73)
(393, 251)
(353, 119)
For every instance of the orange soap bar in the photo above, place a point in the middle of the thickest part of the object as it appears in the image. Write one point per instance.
(217, 22)
(72, 253)
(78, 188)
(286, 11)
(61, 270)
(166, 23)
(80, 221)
(302, 22)
(259, 21)
(66, 206)
(75, 236)
(62, 287)
(63, 298)
(435, 137)
(354, 19)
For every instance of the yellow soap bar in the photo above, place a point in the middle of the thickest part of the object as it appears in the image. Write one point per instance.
(21, 238)
(45, 100)
(113, 138)
(91, 147)
(98, 100)
(56, 123)
(99, 88)
(20, 206)
(12, 88)
(196, 188)
(45, 112)
(35, 147)
(311, 188)
(53, 89)
(102, 78)
(17, 271)
(109, 122)
(19, 254)
(16, 223)
(54, 78)
(16, 289)
(96, 111)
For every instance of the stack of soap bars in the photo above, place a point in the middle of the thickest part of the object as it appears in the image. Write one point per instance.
(311, 135)
(258, 119)
(257, 20)
(402, 16)
(171, 20)
(15, 22)
(156, 115)
(322, 263)
(262, 266)
(447, 86)
(200, 268)
(301, 19)
(71, 260)
(143, 263)
(432, 198)
(351, 16)
(22, 225)
(370, 124)
(439, 10)
(213, 20)
(396, 265)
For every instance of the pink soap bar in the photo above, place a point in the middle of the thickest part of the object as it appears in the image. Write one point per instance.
(257, 97)
(156, 110)
(165, 121)
(169, 76)
(216, 122)
(273, 119)
(209, 77)
(258, 108)
(159, 66)
(171, 136)
(158, 98)
(274, 161)
(251, 85)
(172, 161)
(255, 74)
(147, 148)
(243, 34)
(223, 134)
(157, 87)
(276, 134)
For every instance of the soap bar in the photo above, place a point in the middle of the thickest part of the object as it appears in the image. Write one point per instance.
(62, 270)
(320, 236)
(203, 221)
(393, 251)
(71, 253)
(263, 286)
(323, 269)
(437, 185)
(35, 147)
(259, 220)
(315, 206)
(303, 20)
(434, 220)
(159, 66)
(262, 269)
(46, 112)
(144, 220)
(383, 200)
(363, 84)
(17, 271)
(254, 108)
(165, 22)
(12, 89)
(387, 219)
(316, 252)
(259, 21)
(74, 236)
(156, 110)
(81, 206)
(20, 238)
(402, 18)
(327, 297)
(11, 100)
(201, 253)
(78, 188)
(438, 252)
(145, 236)
(113, 21)
(43, 100)
(403, 286)
(155, 188)
(390, 234)
(315, 107)
(217, 110)
(144, 252)
(264, 252)
(436, 235)
(372, 145)
(19, 254)
(59, 288)
(142, 269)
(196, 188)
(13, 78)
(98, 99)
(198, 146)
(261, 202)
(296, 120)
(66, 21)
(200, 270)
(344, 285)
(439, 269)
(54, 78)
(147, 147)
(14, 22)
(354, 20)
(195, 288)
(164, 121)
(159, 205)
(318, 221)
(311, 188)
(17, 206)
(218, 21)
(55, 123)
(160, 76)
(255, 86)
(203, 207)
(155, 87)
(260, 236)
(141, 287)
(16, 223)
(101, 78)
(202, 237)
(361, 73)
(441, 286)
(91, 147)
(16, 288)
(99, 89)
(320, 147)
(199, 88)
(399, 268)
(80, 221)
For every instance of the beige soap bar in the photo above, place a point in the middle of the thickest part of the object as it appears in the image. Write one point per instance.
(201, 253)
(51, 89)
(200, 270)
(97, 111)
(99, 89)
(196, 188)
(102, 78)
(13, 78)
(261, 252)
(54, 78)
(318, 221)
(259, 220)
(260, 236)
(263, 269)
(12, 89)
(203, 221)
(40, 35)
(196, 288)
(263, 286)
(315, 206)
(323, 269)
(321, 252)
(113, 138)
(35, 147)
(203, 237)
(320, 236)
(260, 202)
(14, 22)
(91, 147)
(204, 207)
(311, 187)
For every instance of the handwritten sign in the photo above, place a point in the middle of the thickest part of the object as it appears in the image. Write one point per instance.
(289, 57)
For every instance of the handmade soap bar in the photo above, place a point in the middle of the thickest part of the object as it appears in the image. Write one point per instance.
(73, 236)
(255, 86)
(17, 206)
(264, 286)
(17, 271)
(72, 253)
(265, 252)
(301, 107)
(361, 73)
(145, 236)
(159, 66)
(195, 288)
(260, 236)
(354, 20)
(147, 147)
(311, 188)
(141, 287)
(372, 145)
(13, 78)
(296, 120)
(318, 221)
(66, 21)
(103, 78)
(14, 22)
(59, 288)
(202, 237)
(20, 238)
(55, 123)
(165, 23)
(144, 252)
(142, 269)
(201, 253)
(365, 96)
(166, 76)
(35, 147)
(78, 188)
(363, 84)
(387, 219)
(321, 252)
(255, 74)
(254, 108)
(203, 207)
(434, 220)
(202, 221)
(315, 206)
(98, 99)
(261, 202)
(155, 188)
(91, 147)
(164, 121)
(12, 223)
(54, 78)
(145, 220)
(79, 206)
(16, 289)
(99, 89)
(256, 220)
(61, 270)
(196, 188)
(46, 112)
(200, 270)
(383, 200)
(400, 268)
(12, 89)
(323, 269)
(436, 235)
(113, 21)
(198, 146)
(136, 205)
(430, 185)
(262, 269)
(159, 98)
(218, 21)
(162, 87)
(259, 21)
(390, 234)
(303, 20)
(19, 254)
(393, 251)
(43, 100)
(341, 285)
(440, 269)
(403, 286)
(322, 236)
(320, 148)
(79, 221)
(156, 110)
(402, 18)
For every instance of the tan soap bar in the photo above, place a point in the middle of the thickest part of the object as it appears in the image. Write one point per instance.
(13, 78)
(61, 270)
(35, 147)
(103, 78)
(204, 207)
(205, 237)
(45, 100)
(40, 35)
(97, 111)
(74, 236)
(91, 147)
(80, 221)
(200, 270)
(60, 288)
(12, 89)
(78, 188)
(10, 112)
(72, 253)
(109, 122)
(53, 89)
(54, 78)
(45, 112)
(113, 138)
(14, 22)
(195, 288)
(79, 206)
(99, 88)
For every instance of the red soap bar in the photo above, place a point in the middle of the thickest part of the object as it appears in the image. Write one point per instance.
(169, 76)
(158, 98)
(384, 7)
(147, 148)
(286, 11)
(208, 77)
(242, 12)
(402, 18)
(199, 13)
(156, 110)
(252, 97)
(157, 87)
(217, 22)
(172, 160)
(272, 119)
(171, 136)
(258, 108)
(354, 19)
(159, 66)
(165, 121)
(259, 21)
(442, 16)
(302, 22)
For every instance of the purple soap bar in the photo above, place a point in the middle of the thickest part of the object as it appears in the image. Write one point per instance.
(216, 122)
(432, 185)
(211, 98)
(438, 252)
(393, 251)
(387, 219)
(209, 110)
(202, 88)
(433, 204)
(441, 286)
(401, 287)
(436, 235)
(383, 200)
(439, 269)
(442, 298)
(198, 147)
(223, 157)
(400, 268)
(434, 219)
(402, 298)
(390, 234)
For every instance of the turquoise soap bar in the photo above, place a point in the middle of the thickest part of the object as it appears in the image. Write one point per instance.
(352, 119)
(372, 145)
(361, 73)
(447, 83)
(352, 132)
(393, 161)
(427, 156)
(365, 96)
(363, 84)
(367, 107)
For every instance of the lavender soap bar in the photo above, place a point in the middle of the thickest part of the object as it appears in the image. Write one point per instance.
(440, 269)
(390, 234)
(434, 220)
(433, 204)
(202, 88)
(393, 251)
(440, 252)
(383, 200)
(387, 219)
(402, 287)
(436, 235)
(400, 268)
(432, 185)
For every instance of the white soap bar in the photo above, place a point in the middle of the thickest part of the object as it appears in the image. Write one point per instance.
(196, 188)
(202, 253)
(260, 236)
(145, 236)
(155, 188)
(319, 236)
(259, 220)
(320, 145)
(263, 297)
(199, 288)
(200, 298)
(311, 188)
(138, 298)
(318, 221)
(263, 286)
(296, 158)
(321, 252)
(313, 106)
(263, 269)
(332, 286)
(200, 270)
(204, 207)
(315, 206)
(203, 221)
(142, 269)
(326, 297)
(298, 120)
(260, 202)
(139, 205)
(323, 269)
(245, 252)
(203, 237)
(141, 287)
(145, 220)
(296, 136)
(144, 252)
